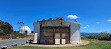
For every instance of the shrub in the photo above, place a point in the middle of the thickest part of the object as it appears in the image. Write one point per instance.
(91, 36)
(110, 37)
(101, 36)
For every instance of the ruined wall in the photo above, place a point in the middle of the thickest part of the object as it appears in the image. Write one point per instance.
(37, 31)
(75, 34)
(55, 23)
(74, 29)
(46, 35)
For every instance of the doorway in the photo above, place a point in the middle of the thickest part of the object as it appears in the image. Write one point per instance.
(60, 38)
(57, 38)
(55, 35)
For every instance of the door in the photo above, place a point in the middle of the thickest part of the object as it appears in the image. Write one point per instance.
(63, 38)
(57, 38)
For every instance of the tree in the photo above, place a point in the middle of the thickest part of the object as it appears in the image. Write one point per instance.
(21, 23)
(5, 27)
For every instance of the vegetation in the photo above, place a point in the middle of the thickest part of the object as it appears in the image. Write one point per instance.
(6, 31)
(95, 44)
(101, 36)
(5, 28)
(20, 23)
(58, 18)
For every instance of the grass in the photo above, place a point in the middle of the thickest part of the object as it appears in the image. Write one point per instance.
(95, 44)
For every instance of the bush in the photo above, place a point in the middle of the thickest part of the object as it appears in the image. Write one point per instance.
(104, 36)
(110, 37)
(92, 36)
(101, 36)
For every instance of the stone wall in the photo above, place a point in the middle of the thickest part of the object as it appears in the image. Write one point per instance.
(74, 30)
(75, 34)
(46, 36)
(37, 31)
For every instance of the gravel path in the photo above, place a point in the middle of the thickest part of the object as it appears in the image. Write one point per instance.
(10, 42)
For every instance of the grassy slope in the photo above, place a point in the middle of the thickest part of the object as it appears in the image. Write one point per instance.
(95, 44)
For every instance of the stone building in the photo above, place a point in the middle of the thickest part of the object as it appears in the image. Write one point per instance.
(57, 31)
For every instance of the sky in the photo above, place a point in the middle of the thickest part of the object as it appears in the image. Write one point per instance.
(93, 15)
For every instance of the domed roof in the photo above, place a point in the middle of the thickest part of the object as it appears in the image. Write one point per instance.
(24, 29)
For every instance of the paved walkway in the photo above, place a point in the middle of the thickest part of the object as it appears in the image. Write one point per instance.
(83, 42)
(10, 42)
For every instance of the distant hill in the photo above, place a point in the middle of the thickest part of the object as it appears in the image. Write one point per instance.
(84, 33)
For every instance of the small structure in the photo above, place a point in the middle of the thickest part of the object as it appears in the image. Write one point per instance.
(24, 30)
(56, 31)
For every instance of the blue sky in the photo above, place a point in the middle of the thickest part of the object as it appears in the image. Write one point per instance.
(92, 14)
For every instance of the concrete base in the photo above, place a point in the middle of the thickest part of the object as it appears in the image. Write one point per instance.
(83, 42)
(35, 38)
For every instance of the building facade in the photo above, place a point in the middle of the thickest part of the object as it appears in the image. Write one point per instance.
(56, 32)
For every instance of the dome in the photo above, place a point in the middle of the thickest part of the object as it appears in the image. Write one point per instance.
(24, 30)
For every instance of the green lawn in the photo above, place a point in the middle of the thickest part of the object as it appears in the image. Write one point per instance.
(95, 44)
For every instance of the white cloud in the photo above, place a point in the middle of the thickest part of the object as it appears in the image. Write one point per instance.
(86, 26)
(108, 20)
(72, 16)
(97, 22)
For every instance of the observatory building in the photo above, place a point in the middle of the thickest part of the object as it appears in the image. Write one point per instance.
(24, 30)
(57, 31)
